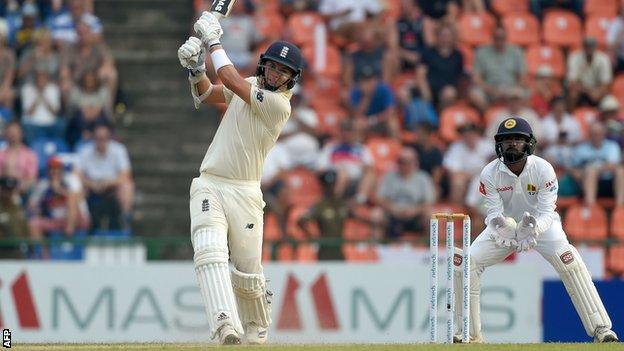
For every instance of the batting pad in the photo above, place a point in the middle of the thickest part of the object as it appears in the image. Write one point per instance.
(581, 288)
(212, 269)
(253, 298)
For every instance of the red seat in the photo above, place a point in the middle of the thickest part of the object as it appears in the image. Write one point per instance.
(585, 116)
(455, 116)
(476, 28)
(385, 152)
(545, 55)
(329, 64)
(269, 25)
(292, 226)
(271, 231)
(522, 29)
(307, 252)
(583, 223)
(505, 7)
(601, 7)
(596, 26)
(304, 186)
(615, 259)
(329, 118)
(285, 253)
(562, 28)
(302, 26)
(617, 222)
(356, 230)
(360, 252)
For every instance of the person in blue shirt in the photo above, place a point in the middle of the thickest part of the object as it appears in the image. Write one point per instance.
(599, 169)
(372, 104)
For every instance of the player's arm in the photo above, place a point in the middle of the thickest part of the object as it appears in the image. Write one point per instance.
(546, 199)
(493, 200)
(192, 56)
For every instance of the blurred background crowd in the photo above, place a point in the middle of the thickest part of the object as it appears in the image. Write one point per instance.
(393, 120)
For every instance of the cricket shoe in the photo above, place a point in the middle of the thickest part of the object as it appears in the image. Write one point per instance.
(228, 336)
(604, 334)
(255, 334)
(457, 339)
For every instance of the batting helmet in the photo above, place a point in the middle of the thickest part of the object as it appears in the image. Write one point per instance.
(515, 126)
(288, 55)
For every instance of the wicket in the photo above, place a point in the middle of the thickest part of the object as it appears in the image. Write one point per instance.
(433, 276)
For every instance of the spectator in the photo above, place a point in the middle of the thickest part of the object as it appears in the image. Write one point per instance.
(104, 169)
(41, 103)
(29, 24)
(538, 7)
(13, 224)
(407, 40)
(589, 74)
(465, 159)
(544, 90)
(560, 121)
(87, 55)
(7, 74)
(429, 155)
(239, 37)
(406, 196)
(598, 167)
(353, 163)
(299, 133)
(496, 68)
(88, 103)
(41, 56)
(416, 102)
(372, 105)
(370, 53)
(561, 155)
(609, 109)
(516, 105)
(443, 66)
(57, 203)
(18, 161)
(346, 17)
(615, 41)
(64, 26)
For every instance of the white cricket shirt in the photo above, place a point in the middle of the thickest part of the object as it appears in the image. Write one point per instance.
(246, 134)
(534, 191)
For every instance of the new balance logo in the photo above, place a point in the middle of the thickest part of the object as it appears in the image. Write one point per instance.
(222, 316)
(249, 226)
(205, 205)
(284, 51)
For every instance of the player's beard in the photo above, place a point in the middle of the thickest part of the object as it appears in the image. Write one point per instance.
(513, 156)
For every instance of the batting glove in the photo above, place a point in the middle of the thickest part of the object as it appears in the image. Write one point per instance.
(209, 28)
(192, 56)
(527, 232)
(502, 232)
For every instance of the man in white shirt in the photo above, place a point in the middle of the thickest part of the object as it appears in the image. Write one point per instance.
(520, 187)
(226, 203)
(589, 74)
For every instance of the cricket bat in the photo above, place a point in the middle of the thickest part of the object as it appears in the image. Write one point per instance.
(219, 8)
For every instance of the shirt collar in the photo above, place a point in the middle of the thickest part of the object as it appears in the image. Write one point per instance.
(503, 167)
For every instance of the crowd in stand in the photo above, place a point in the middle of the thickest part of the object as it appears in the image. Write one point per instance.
(401, 98)
(61, 171)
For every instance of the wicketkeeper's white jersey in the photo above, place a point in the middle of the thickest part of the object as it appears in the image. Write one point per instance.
(246, 134)
(534, 191)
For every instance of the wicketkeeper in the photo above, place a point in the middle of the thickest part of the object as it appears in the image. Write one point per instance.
(226, 203)
(523, 186)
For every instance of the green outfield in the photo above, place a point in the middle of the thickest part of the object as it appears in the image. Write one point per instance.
(327, 347)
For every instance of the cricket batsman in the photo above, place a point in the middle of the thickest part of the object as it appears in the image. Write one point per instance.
(226, 205)
(521, 188)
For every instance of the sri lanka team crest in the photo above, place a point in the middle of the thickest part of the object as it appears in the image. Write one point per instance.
(531, 189)
(510, 123)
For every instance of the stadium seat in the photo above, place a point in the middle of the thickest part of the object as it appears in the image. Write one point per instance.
(307, 252)
(586, 223)
(292, 228)
(323, 91)
(615, 259)
(562, 28)
(492, 112)
(564, 202)
(285, 253)
(302, 27)
(385, 153)
(402, 80)
(356, 230)
(271, 230)
(455, 116)
(269, 25)
(46, 147)
(329, 118)
(522, 29)
(475, 28)
(585, 116)
(596, 26)
(617, 223)
(468, 56)
(331, 68)
(304, 186)
(617, 88)
(550, 56)
(360, 252)
(601, 8)
(505, 7)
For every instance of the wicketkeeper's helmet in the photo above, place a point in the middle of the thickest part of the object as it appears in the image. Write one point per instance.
(285, 53)
(515, 126)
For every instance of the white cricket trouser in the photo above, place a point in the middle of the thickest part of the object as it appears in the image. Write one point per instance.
(233, 207)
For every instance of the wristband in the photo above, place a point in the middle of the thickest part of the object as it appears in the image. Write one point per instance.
(220, 59)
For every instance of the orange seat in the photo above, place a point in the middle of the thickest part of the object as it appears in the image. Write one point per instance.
(615, 259)
(468, 56)
(323, 91)
(476, 28)
(304, 186)
(551, 56)
(455, 116)
(402, 81)
(617, 222)
(566, 202)
(586, 223)
(617, 89)
(292, 227)
(329, 64)
(492, 112)
(285, 252)
(356, 230)
(562, 28)
(585, 116)
(271, 231)
(360, 252)
(269, 25)
(385, 152)
(504, 7)
(601, 7)
(307, 253)
(329, 118)
(302, 26)
(596, 26)
(522, 29)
